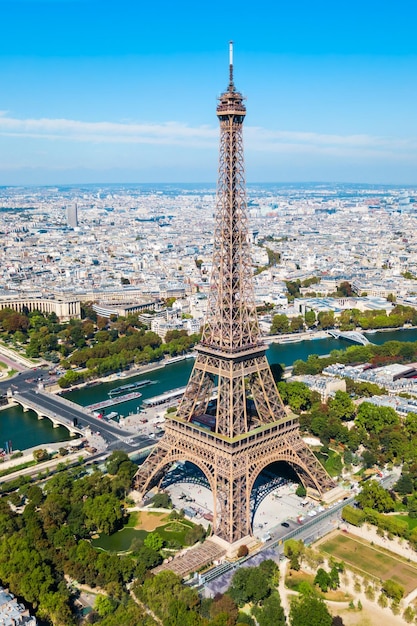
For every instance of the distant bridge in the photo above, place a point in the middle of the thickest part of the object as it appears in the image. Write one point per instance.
(350, 335)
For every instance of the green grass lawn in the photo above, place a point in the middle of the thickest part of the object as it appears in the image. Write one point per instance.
(132, 520)
(175, 531)
(411, 521)
(120, 541)
(371, 560)
(332, 462)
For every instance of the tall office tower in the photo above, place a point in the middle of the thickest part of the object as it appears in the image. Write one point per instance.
(72, 216)
(231, 422)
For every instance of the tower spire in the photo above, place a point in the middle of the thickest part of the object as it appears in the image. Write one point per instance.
(231, 84)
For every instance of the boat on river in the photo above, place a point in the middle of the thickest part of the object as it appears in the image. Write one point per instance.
(130, 387)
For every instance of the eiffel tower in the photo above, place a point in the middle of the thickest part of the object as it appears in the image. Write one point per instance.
(231, 422)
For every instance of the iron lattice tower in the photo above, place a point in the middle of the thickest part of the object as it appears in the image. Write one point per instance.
(234, 437)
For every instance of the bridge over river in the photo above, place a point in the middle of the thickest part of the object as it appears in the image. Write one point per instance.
(75, 418)
(350, 335)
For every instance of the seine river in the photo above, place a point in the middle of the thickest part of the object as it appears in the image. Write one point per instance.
(24, 430)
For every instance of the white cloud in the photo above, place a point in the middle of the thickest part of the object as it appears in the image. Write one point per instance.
(179, 134)
(105, 132)
(364, 145)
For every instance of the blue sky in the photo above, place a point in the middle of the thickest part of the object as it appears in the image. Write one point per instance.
(125, 90)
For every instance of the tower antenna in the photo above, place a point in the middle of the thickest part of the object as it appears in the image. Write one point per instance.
(231, 85)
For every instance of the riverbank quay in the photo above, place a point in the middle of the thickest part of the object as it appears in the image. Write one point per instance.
(295, 337)
(313, 335)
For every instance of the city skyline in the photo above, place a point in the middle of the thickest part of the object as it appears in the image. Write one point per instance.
(103, 95)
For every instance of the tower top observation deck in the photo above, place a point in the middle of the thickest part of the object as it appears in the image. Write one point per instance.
(231, 101)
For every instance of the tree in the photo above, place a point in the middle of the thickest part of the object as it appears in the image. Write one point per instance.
(271, 613)
(277, 371)
(310, 318)
(410, 424)
(35, 495)
(301, 491)
(345, 289)
(162, 501)
(115, 460)
(412, 506)
(353, 515)
(293, 550)
(171, 601)
(103, 513)
(244, 618)
(404, 484)
(154, 541)
(104, 605)
(296, 324)
(296, 394)
(309, 609)
(375, 497)
(16, 321)
(393, 590)
(253, 584)
(341, 406)
(280, 325)
(40, 455)
(326, 319)
(409, 615)
(368, 458)
(224, 605)
(334, 580)
(322, 579)
(375, 418)
(242, 551)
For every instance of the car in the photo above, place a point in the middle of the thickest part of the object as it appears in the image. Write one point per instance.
(285, 524)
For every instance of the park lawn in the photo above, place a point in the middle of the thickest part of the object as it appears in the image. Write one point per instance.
(411, 521)
(371, 560)
(337, 595)
(293, 579)
(120, 541)
(175, 530)
(331, 461)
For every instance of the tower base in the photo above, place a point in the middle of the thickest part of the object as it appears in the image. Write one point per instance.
(233, 548)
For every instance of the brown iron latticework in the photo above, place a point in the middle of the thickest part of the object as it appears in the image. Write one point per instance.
(233, 437)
